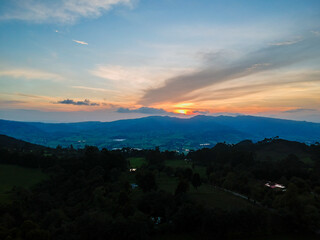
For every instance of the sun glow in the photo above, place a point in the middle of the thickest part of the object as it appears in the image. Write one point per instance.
(183, 111)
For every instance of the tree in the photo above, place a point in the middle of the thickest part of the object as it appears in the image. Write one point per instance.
(187, 174)
(154, 158)
(182, 187)
(59, 148)
(196, 180)
(209, 170)
(146, 181)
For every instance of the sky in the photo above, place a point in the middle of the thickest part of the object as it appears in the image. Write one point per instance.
(104, 60)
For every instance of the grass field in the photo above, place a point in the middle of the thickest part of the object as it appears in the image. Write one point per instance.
(177, 163)
(215, 198)
(205, 194)
(183, 164)
(11, 175)
(136, 162)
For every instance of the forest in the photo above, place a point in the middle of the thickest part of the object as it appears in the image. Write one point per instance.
(248, 190)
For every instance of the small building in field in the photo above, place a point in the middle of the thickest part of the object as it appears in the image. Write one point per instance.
(276, 186)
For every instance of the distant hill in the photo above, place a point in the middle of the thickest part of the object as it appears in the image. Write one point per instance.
(166, 132)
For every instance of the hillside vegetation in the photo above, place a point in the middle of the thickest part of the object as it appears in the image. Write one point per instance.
(218, 192)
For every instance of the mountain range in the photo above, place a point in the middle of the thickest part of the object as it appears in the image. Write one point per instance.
(166, 132)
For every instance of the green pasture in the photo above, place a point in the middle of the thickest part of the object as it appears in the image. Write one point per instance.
(136, 162)
(205, 194)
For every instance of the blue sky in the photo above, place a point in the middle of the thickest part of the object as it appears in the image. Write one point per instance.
(86, 60)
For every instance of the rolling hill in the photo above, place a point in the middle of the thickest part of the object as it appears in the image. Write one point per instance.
(166, 132)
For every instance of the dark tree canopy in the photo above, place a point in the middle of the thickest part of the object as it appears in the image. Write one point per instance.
(196, 180)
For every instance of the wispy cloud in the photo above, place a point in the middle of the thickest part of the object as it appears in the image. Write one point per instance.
(94, 89)
(144, 110)
(302, 114)
(136, 78)
(31, 96)
(80, 42)
(266, 59)
(286, 42)
(9, 102)
(300, 110)
(58, 11)
(317, 33)
(254, 84)
(30, 74)
(86, 102)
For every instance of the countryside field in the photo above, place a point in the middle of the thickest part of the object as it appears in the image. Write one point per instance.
(136, 162)
(206, 194)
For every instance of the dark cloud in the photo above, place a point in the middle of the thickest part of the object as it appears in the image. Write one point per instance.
(201, 112)
(144, 110)
(269, 58)
(86, 102)
(12, 102)
(299, 110)
(253, 88)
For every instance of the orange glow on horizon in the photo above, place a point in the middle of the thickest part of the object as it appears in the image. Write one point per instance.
(183, 111)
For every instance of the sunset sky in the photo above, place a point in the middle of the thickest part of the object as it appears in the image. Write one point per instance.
(77, 60)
